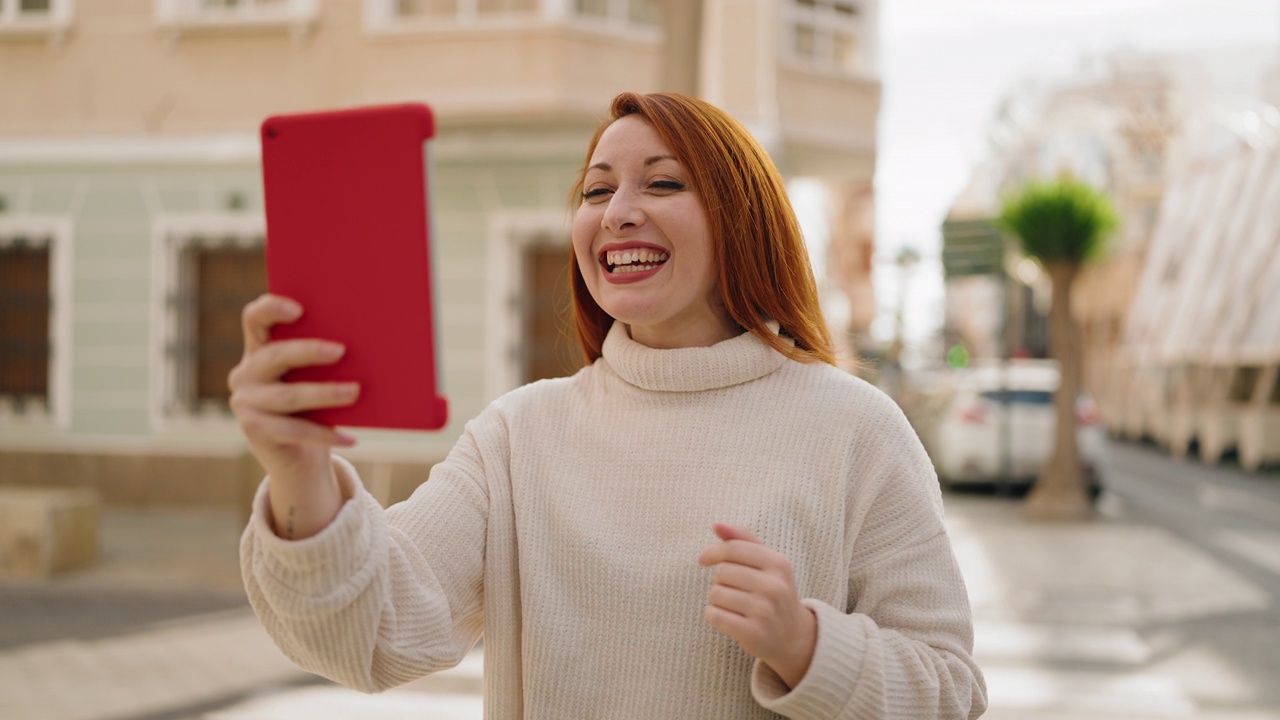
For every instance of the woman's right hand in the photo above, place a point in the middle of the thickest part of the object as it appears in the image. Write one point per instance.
(294, 451)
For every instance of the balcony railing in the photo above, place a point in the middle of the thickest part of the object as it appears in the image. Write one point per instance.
(402, 15)
(295, 16)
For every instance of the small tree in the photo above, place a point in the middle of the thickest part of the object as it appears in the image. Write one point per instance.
(1060, 224)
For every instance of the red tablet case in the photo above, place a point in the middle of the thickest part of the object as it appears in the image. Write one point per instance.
(348, 237)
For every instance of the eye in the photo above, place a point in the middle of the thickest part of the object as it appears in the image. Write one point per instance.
(594, 194)
(666, 185)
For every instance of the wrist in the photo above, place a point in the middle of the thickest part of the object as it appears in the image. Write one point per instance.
(302, 507)
(793, 662)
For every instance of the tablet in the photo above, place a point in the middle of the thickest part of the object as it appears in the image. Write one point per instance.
(349, 237)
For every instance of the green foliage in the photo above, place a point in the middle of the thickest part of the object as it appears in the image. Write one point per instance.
(1059, 220)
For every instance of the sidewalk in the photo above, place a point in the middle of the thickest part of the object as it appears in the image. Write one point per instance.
(1062, 617)
(1064, 613)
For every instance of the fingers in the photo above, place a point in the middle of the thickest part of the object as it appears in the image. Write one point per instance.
(725, 531)
(735, 625)
(285, 430)
(742, 552)
(734, 600)
(289, 398)
(753, 600)
(263, 312)
(269, 362)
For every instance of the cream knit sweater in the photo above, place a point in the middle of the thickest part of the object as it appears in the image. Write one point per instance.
(565, 526)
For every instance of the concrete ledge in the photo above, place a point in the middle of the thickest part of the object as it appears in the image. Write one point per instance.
(47, 530)
(173, 480)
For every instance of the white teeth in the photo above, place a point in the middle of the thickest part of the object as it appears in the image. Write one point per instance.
(621, 258)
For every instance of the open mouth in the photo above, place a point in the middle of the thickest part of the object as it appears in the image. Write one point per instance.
(634, 260)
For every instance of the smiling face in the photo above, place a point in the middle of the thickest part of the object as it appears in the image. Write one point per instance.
(643, 242)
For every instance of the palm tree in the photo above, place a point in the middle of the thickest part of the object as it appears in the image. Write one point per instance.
(1061, 224)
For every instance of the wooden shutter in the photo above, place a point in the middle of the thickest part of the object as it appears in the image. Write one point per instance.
(551, 348)
(227, 278)
(24, 322)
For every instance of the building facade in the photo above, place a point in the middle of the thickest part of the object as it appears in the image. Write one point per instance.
(131, 219)
(1177, 322)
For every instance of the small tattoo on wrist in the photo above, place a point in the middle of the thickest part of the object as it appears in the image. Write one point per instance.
(288, 528)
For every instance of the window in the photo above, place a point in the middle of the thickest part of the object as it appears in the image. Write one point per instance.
(35, 16)
(620, 12)
(826, 34)
(294, 15)
(460, 9)
(34, 326)
(528, 320)
(211, 272)
(401, 14)
(550, 346)
(24, 323)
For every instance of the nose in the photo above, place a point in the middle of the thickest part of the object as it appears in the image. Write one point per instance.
(623, 215)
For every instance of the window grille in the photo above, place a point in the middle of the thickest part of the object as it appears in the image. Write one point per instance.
(25, 309)
(195, 15)
(215, 280)
(245, 6)
(826, 34)
(384, 13)
(621, 12)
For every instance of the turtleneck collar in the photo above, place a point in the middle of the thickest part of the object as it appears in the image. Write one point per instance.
(730, 362)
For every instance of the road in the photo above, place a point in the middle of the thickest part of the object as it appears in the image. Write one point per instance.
(1233, 517)
(1232, 514)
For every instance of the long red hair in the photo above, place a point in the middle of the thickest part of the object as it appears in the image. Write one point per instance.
(763, 267)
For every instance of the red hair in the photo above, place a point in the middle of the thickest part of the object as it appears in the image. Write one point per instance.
(762, 265)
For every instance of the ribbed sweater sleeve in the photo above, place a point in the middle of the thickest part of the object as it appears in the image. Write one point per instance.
(903, 649)
(377, 598)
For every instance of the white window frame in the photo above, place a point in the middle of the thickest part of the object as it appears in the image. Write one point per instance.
(510, 233)
(55, 23)
(170, 237)
(824, 19)
(618, 15)
(297, 17)
(380, 17)
(58, 233)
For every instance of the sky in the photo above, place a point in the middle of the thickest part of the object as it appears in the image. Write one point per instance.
(946, 64)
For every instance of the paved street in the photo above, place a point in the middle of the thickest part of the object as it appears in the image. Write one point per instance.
(1168, 606)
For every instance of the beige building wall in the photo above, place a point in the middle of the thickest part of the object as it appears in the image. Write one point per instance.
(130, 125)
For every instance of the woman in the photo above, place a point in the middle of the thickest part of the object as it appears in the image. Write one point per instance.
(709, 520)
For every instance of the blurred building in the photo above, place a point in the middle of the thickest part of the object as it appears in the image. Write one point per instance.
(1200, 356)
(1111, 126)
(131, 224)
(1144, 129)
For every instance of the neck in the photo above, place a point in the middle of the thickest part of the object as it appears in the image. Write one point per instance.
(667, 337)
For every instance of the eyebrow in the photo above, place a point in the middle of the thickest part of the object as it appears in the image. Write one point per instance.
(647, 162)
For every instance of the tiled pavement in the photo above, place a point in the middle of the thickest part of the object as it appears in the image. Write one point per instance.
(1058, 612)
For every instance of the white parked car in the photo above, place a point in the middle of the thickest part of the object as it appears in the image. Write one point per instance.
(993, 423)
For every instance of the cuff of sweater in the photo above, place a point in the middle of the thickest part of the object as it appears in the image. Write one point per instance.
(827, 687)
(322, 565)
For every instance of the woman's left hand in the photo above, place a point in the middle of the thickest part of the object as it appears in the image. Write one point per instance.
(753, 600)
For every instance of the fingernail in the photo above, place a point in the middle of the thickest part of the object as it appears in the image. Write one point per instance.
(349, 390)
(333, 350)
(292, 309)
